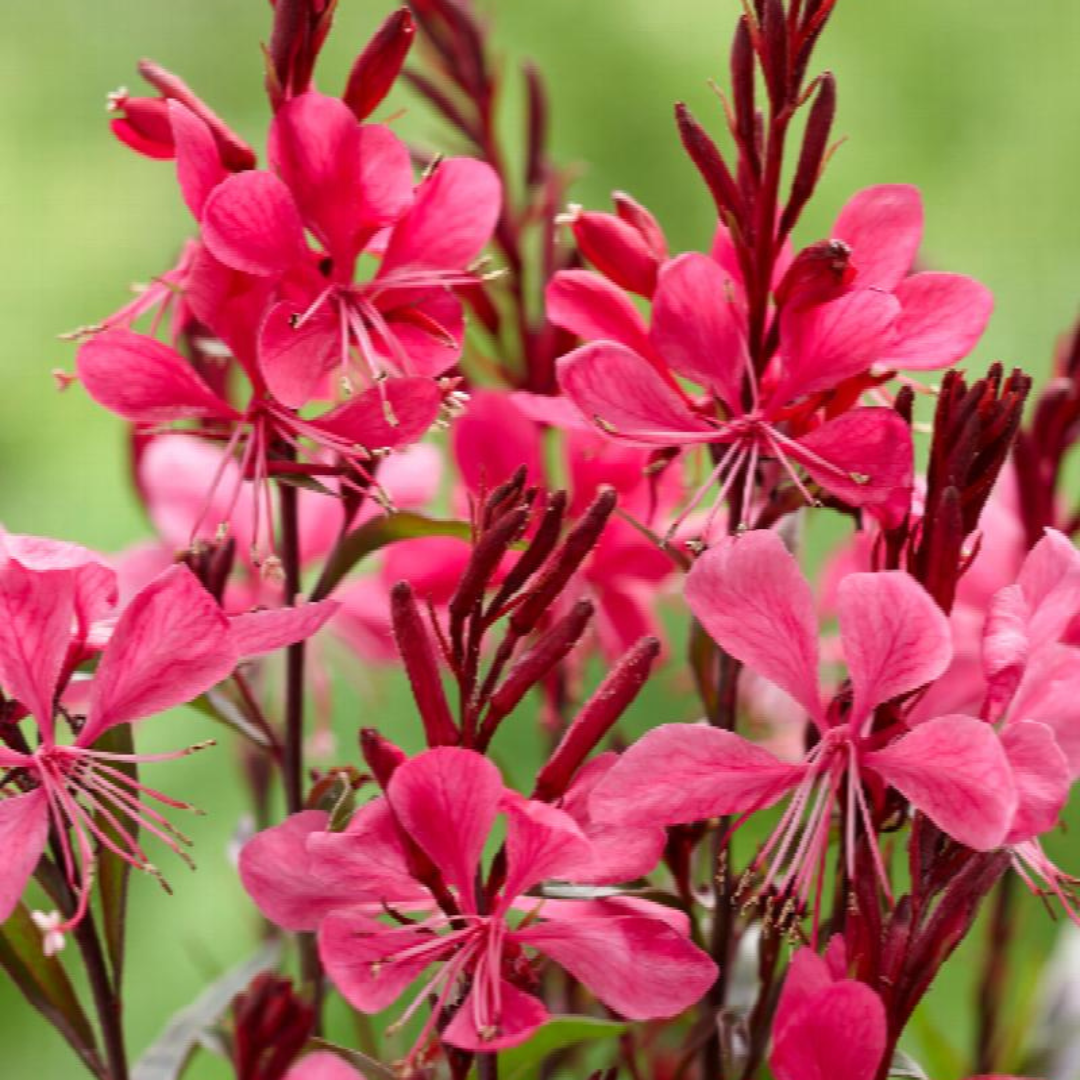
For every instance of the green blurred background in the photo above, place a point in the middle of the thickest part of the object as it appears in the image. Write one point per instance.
(978, 103)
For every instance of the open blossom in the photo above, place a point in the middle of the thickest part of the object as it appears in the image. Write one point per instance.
(323, 1065)
(752, 599)
(170, 644)
(418, 850)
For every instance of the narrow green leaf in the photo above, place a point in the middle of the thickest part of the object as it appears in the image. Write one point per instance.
(376, 534)
(372, 1069)
(523, 1062)
(45, 984)
(220, 707)
(170, 1053)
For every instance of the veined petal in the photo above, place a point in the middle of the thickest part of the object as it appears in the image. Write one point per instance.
(493, 439)
(679, 773)
(1042, 778)
(296, 357)
(884, 226)
(170, 645)
(698, 328)
(393, 414)
(955, 771)
(446, 799)
(521, 1014)
(895, 638)
(592, 308)
(942, 318)
(198, 165)
(255, 633)
(251, 222)
(24, 828)
(750, 595)
(542, 842)
(639, 967)
(625, 396)
(1050, 693)
(145, 381)
(386, 177)
(1050, 578)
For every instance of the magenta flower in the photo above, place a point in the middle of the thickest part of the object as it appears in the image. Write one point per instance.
(170, 644)
(750, 596)
(438, 814)
(322, 1065)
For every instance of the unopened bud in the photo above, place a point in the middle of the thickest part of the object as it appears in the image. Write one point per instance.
(379, 64)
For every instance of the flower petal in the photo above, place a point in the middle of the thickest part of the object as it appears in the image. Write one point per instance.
(751, 597)
(170, 645)
(446, 799)
(592, 308)
(323, 1065)
(884, 227)
(145, 381)
(521, 1015)
(895, 638)
(680, 773)
(24, 828)
(542, 842)
(295, 357)
(394, 413)
(942, 318)
(257, 632)
(493, 439)
(955, 771)
(639, 967)
(1042, 778)
(1050, 693)
(198, 165)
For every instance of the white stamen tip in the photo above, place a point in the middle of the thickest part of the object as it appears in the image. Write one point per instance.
(52, 937)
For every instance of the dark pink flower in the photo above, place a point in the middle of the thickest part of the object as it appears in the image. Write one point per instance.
(323, 1065)
(750, 596)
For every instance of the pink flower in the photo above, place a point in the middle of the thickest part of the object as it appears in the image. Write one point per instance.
(170, 644)
(323, 1065)
(750, 596)
(432, 827)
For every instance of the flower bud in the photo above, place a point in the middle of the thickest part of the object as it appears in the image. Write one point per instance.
(616, 248)
(379, 64)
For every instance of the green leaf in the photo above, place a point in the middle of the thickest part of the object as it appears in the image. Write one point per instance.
(522, 1062)
(371, 1068)
(45, 984)
(220, 707)
(170, 1053)
(376, 534)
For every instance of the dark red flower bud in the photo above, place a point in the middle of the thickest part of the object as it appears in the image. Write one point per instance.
(706, 155)
(536, 126)
(742, 87)
(616, 248)
(774, 58)
(299, 31)
(379, 64)
(271, 1025)
(815, 145)
(381, 755)
(819, 273)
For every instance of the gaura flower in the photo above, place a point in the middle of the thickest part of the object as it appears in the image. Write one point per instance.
(752, 599)
(322, 1065)
(170, 644)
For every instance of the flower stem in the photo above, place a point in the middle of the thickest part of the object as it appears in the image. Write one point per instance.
(487, 1066)
(293, 758)
(995, 976)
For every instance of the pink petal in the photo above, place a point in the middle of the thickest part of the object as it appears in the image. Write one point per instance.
(393, 414)
(943, 317)
(895, 638)
(556, 410)
(24, 828)
(198, 165)
(170, 645)
(446, 799)
(1050, 578)
(36, 614)
(295, 359)
(428, 326)
(625, 613)
(698, 328)
(323, 1066)
(1042, 778)
(866, 458)
(251, 222)
(541, 843)
(493, 439)
(1005, 644)
(838, 1034)
(751, 597)
(624, 395)
(259, 632)
(641, 968)
(680, 773)
(521, 1015)
(884, 227)
(954, 770)
(281, 875)
(386, 177)
(1050, 694)
(807, 976)
(145, 381)
(592, 308)
(451, 220)
(825, 344)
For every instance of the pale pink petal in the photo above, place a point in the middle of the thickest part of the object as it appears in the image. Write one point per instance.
(751, 597)
(640, 968)
(593, 309)
(446, 799)
(624, 395)
(363, 621)
(679, 773)
(493, 440)
(1006, 643)
(825, 344)
(955, 771)
(145, 381)
(257, 632)
(323, 1065)
(251, 222)
(36, 614)
(170, 645)
(1050, 578)
(1050, 694)
(1042, 778)
(451, 220)
(393, 414)
(542, 843)
(198, 164)
(884, 227)
(521, 1015)
(295, 356)
(698, 328)
(894, 635)
(24, 828)
(413, 477)
(943, 317)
